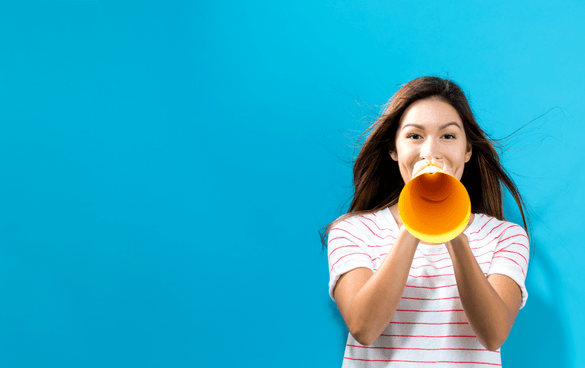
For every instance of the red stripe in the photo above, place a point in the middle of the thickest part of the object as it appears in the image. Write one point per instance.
(367, 218)
(337, 228)
(440, 337)
(344, 257)
(501, 223)
(438, 349)
(509, 227)
(453, 297)
(428, 323)
(380, 256)
(353, 241)
(486, 244)
(509, 251)
(522, 269)
(442, 259)
(485, 273)
(343, 246)
(341, 237)
(418, 361)
(509, 245)
(352, 224)
(472, 248)
(430, 287)
(429, 311)
(512, 236)
(447, 252)
(433, 266)
(481, 255)
(388, 236)
(484, 225)
(427, 276)
(440, 268)
(486, 235)
(437, 260)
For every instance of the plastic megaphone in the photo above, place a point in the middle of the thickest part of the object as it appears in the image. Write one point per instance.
(434, 206)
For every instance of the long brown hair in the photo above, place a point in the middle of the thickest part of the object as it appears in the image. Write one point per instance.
(377, 182)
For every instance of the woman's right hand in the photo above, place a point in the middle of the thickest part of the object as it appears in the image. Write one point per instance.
(406, 235)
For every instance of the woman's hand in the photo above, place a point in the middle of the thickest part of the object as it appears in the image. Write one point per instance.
(402, 230)
(459, 241)
(404, 233)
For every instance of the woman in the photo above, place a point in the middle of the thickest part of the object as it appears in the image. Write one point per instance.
(407, 301)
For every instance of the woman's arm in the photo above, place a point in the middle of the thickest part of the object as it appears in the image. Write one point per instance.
(490, 304)
(367, 301)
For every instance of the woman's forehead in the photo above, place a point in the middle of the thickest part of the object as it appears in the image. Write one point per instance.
(432, 113)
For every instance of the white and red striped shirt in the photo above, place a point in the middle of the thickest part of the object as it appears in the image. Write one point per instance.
(429, 327)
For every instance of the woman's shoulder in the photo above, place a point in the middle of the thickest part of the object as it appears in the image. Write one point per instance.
(493, 221)
(379, 218)
(488, 227)
(366, 224)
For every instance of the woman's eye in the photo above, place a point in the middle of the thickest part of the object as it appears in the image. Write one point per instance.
(446, 135)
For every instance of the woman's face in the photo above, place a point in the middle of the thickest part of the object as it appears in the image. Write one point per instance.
(430, 130)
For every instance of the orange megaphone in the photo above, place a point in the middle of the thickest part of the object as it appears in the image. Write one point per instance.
(434, 206)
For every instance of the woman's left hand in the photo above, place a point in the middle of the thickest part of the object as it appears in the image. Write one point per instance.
(459, 241)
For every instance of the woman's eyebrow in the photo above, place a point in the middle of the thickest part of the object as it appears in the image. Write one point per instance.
(423, 128)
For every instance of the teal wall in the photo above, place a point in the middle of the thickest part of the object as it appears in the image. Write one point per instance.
(165, 168)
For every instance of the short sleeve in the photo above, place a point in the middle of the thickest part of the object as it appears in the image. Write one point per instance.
(511, 257)
(347, 250)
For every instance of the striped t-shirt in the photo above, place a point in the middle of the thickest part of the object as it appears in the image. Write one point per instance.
(429, 327)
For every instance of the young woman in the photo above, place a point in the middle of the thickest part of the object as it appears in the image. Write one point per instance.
(408, 303)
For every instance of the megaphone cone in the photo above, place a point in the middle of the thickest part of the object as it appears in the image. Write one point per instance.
(434, 206)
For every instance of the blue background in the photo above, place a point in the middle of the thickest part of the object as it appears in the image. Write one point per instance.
(165, 168)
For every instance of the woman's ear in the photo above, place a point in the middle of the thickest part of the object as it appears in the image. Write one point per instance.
(393, 155)
(468, 153)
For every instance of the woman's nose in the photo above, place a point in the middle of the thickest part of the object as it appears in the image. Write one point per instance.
(431, 150)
